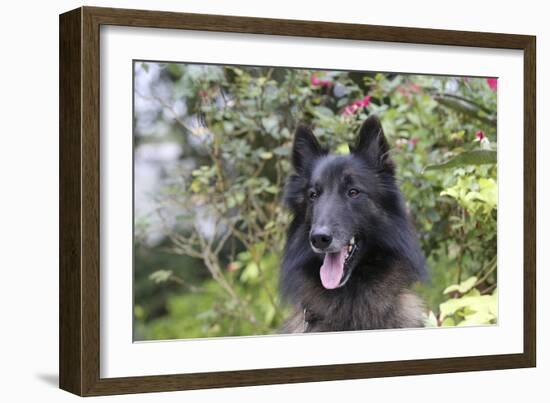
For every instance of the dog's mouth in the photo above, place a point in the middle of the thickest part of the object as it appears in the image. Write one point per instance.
(336, 267)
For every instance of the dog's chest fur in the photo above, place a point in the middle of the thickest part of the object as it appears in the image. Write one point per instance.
(383, 301)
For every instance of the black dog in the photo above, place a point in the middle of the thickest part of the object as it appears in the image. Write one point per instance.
(351, 254)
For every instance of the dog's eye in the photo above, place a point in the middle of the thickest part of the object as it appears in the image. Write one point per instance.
(313, 194)
(353, 193)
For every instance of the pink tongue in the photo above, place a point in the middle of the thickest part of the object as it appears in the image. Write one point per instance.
(333, 269)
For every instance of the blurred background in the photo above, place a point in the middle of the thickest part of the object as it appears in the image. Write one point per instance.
(211, 148)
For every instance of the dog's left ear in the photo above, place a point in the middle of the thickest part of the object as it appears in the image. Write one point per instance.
(373, 146)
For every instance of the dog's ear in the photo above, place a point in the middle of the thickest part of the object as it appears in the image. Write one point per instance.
(373, 146)
(305, 150)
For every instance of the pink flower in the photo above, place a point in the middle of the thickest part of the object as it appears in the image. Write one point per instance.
(402, 91)
(203, 93)
(415, 87)
(355, 106)
(233, 266)
(480, 135)
(350, 109)
(365, 101)
(492, 83)
(400, 143)
(408, 89)
(413, 142)
(316, 82)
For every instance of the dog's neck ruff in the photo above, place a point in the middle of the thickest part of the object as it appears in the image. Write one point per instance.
(310, 318)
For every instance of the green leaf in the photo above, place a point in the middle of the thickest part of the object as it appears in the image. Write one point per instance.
(451, 306)
(196, 186)
(257, 250)
(448, 322)
(493, 307)
(342, 149)
(323, 111)
(477, 318)
(475, 157)
(250, 273)
(282, 151)
(488, 191)
(466, 107)
(463, 287)
(474, 308)
(236, 70)
(272, 189)
(270, 123)
(269, 314)
(160, 276)
(430, 320)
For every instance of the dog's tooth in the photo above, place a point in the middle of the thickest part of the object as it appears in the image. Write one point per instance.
(349, 248)
(352, 241)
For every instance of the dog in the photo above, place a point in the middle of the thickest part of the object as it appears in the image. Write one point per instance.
(351, 255)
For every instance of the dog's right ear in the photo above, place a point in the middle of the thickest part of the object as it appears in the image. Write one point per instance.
(373, 146)
(305, 150)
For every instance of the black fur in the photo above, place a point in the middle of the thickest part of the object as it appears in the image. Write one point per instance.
(387, 260)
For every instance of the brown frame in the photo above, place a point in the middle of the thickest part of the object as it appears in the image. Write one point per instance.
(79, 200)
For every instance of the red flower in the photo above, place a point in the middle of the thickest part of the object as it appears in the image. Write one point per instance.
(203, 93)
(316, 82)
(492, 83)
(355, 106)
(480, 135)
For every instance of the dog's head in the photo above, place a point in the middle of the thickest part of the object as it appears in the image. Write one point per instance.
(350, 203)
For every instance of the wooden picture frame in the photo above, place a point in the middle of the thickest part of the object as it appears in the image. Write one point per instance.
(80, 199)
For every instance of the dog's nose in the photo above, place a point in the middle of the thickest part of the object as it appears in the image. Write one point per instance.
(320, 240)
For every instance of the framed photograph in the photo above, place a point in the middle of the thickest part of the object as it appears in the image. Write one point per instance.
(249, 201)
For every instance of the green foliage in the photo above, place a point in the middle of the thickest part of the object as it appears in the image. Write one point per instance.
(474, 157)
(469, 307)
(207, 312)
(219, 206)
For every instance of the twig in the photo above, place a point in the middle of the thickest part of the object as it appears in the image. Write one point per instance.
(492, 267)
(169, 107)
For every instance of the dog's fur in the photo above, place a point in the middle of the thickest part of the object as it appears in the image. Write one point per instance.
(374, 291)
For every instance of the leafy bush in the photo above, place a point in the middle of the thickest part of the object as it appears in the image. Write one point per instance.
(217, 205)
